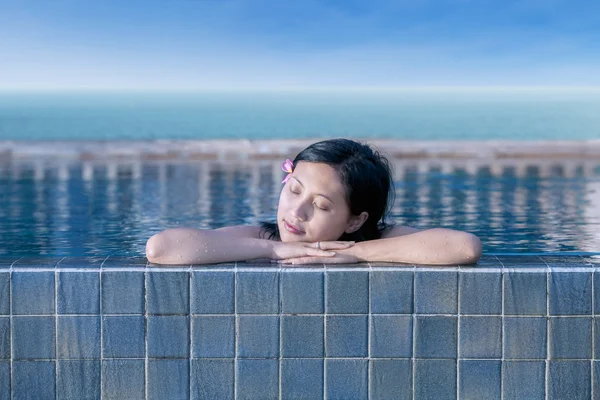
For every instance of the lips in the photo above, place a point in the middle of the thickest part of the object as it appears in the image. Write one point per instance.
(292, 228)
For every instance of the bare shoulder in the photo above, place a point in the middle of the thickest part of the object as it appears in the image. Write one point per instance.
(242, 231)
(398, 230)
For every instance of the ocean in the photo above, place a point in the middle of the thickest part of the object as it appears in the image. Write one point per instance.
(416, 115)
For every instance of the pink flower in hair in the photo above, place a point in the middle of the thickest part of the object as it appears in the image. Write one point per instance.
(287, 166)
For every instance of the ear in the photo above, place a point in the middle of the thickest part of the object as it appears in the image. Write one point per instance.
(356, 221)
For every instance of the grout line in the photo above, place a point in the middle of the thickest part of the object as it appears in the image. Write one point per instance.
(12, 334)
(102, 265)
(100, 308)
(280, 317)
(236, 330)
(414, 335)
(146, 333)
(55, 333)
(593, 341)
(325, 333)
(458, 323)
(369, 338)
(548, 326)
(503, 338)
(190, 331)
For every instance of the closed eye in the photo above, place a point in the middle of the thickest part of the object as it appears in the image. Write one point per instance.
(320, 208)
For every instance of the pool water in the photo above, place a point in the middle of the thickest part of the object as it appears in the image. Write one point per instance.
(99, 208)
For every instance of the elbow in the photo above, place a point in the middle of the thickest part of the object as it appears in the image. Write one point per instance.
(155, 248)
(472, 249)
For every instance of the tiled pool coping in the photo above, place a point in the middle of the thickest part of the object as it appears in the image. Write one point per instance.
(119, 328)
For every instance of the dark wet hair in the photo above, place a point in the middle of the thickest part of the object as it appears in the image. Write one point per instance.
(367, 178)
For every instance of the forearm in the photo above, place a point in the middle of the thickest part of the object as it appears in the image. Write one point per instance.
(437, 246)
(194, 246)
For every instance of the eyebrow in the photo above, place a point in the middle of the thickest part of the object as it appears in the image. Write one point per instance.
(318, 194)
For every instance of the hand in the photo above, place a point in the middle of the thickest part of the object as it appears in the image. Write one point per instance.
(338, 258)
(293, 250)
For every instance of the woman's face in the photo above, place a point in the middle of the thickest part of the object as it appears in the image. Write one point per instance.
(312, 205)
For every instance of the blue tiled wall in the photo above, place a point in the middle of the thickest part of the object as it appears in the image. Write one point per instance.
(240, 331)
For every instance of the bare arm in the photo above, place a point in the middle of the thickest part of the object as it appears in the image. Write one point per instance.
(438, 246)
(179, 246)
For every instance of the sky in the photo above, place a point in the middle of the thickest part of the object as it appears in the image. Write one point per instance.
(297, 44)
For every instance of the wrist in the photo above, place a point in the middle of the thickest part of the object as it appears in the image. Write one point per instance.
(357, 250)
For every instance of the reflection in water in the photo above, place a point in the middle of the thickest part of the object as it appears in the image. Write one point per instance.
(99, 209)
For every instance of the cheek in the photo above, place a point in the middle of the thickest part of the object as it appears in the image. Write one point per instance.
(282, 204)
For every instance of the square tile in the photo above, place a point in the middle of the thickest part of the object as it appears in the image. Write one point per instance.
(347, 292)
(436, 337)
(125, 262)
(532, 328)
(168, 379)
(124, 337)
(258, 337)
(212, 379)
(565, 378)
(78, 293)
(521, 261)
(78, 337)
(302, 379)
(346, 336)
(5, 380)
(436, 292)
(168, 293)
(33, 337)
(257, 292)
(81, 262)
(302, 292)
(213, 292)
(392, 292)
(571, 337)
(391, 379)
(32, 293)
(123, 379)
(47, 262)
(5, 338)
(7, 261)
(570, 293)
(480, 379)
(597, 339)
(33, 380)
(597, 292)
(302, 336)
(257, 379)
(524, 380)
(488, 261)
(596, 378)
(391, 336)
(4, 293)
(78, 379)
(525, 293)
(168, 336)
(346, 379)
(564, 261)
(480, 293)
(213, 336)
(123, 292)
(435, 379)
(480, 337)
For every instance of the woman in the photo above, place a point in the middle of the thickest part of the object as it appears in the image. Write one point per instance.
(332, 209)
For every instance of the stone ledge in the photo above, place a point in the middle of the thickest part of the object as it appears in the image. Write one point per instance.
(276, 149)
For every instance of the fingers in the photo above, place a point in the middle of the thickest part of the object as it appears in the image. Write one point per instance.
(334, 245)
(302, 261)
(319, 253)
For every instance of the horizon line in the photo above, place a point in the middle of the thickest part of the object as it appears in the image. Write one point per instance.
(425, 88)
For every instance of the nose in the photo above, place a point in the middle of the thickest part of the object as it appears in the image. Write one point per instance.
(301, 210)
